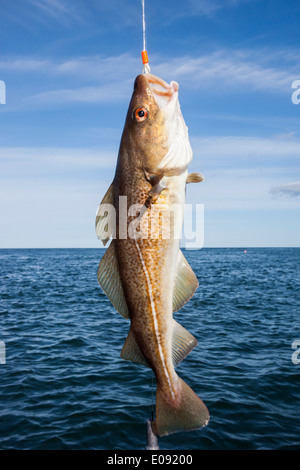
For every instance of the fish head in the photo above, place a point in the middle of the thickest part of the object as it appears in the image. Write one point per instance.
(156, 126)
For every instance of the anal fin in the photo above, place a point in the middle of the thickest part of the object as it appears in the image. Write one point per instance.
(182, 343)
(185, 282)
(132, 352)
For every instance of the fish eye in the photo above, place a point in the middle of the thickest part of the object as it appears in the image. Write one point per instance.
(140, 114)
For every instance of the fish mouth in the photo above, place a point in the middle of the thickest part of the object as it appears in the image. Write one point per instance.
(162, 89)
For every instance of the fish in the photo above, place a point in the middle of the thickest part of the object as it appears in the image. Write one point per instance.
(152, 441)
(143, 271)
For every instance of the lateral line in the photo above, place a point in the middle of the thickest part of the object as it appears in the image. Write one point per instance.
(154, 315)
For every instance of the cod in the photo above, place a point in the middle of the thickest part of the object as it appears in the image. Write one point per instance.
(143, 271)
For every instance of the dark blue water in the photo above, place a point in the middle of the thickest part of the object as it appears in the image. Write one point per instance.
(64, 385)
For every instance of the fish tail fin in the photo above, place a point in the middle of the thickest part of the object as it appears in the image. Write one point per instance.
(186, 413)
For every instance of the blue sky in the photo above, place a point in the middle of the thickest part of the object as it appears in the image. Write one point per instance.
(69, 68)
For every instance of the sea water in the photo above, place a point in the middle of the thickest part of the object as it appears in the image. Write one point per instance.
(63, 384)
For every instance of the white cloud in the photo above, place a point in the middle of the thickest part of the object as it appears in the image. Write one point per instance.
(49, 196)
(289, 189)
(210, 7)
(64, 12)
(97, 94)
(239, 171)
(69, 13)
(51, 7)
(229, 70)
(90, 79)
(30, 14)
(50, 162)
(39, 213)
(246, 151)
(94, 66)
(55, 191)
(203, 7)
(97, 78)
(26, 64)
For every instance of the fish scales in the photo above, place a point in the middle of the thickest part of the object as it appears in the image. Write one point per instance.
(148, 194)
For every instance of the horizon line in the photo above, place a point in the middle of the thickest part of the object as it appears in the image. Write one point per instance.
(104, 248)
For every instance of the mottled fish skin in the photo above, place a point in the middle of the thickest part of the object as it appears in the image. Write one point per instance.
(147, 266)
(147, 269)
(152, 172)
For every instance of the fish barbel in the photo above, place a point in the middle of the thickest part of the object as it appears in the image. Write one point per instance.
(143, 271)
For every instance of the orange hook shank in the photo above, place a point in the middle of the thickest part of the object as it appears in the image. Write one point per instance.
(145, 57)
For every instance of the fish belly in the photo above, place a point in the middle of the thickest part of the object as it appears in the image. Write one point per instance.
(147, 268)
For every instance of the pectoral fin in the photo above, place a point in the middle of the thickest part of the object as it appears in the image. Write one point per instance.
(157, 188)
(185, 282)
(158, 184)
(105, 218)
(194, 178)
(110, 281)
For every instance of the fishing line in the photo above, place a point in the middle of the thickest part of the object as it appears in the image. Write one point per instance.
(152, 413)
(146, 68)
(144, 26)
